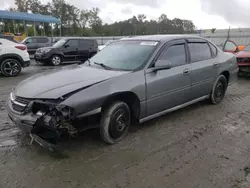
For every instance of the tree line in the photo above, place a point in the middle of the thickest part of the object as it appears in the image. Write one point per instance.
(77, 22)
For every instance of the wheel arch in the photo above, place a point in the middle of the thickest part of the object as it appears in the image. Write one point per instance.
(226, 74)
(11, 56)
(130, 98)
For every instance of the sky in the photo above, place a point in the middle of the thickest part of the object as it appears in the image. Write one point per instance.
(205, 14)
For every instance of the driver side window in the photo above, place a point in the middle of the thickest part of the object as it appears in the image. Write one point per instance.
(176, 54)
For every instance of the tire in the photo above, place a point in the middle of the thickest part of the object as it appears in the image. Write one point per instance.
(11, 67)
(219, 90)
(56, 60)
(115, 122)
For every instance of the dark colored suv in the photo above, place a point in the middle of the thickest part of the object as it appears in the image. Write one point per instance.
(33, 43)
(67, 50)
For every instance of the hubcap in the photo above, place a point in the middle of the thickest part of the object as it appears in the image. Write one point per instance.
(219, 91)
(56, 60)
(119, 123)
(11, 68)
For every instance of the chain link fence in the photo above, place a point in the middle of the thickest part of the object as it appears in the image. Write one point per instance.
(240, 36)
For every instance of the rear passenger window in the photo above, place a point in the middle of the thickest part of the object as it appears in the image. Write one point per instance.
(42, 40)
(86, 42)
(199, 51)
(214, 49)
(175, 54)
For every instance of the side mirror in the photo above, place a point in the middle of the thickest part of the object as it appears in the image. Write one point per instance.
(66, 46)
(27, 42)
(162, 65)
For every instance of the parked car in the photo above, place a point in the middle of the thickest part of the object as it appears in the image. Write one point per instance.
(232, 47)
(130, 80)
(33, 43)
(13, 57)
(243, 59)
(67, 50)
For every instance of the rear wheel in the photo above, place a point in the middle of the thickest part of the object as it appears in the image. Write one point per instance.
(56, 60)
(219, 90)
(115, 122)
(11, 67)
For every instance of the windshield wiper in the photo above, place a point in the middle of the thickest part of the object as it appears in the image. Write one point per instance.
(104, 66)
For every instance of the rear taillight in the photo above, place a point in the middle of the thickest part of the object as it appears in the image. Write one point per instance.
(21, 47)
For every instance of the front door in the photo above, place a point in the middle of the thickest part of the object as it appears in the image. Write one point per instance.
(70, 50)
(170, 87)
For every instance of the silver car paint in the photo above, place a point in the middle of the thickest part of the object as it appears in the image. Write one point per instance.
(157, 92)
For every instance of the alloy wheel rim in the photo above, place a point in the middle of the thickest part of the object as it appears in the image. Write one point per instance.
(56, 60)
(11, 68)
(219, 91)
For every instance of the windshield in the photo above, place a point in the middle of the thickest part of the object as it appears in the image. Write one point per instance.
(59, 43)
(247, 48)
(125, 55)
(107, 43)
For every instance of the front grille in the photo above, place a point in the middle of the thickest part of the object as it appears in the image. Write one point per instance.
(243, 59)
(18, 108)
(23, 103)
(22, 100)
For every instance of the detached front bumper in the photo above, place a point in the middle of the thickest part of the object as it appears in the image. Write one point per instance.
(29, 124)
(24, 122)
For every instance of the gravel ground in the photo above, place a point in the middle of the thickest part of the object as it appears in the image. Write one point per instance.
(200, 146)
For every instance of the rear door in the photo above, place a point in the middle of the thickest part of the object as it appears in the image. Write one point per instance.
(42, 42)
(85, 49)
(170, 87)
(70, 49)
(230, 46)
(204, 67)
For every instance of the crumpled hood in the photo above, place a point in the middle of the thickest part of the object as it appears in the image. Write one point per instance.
(54, 84)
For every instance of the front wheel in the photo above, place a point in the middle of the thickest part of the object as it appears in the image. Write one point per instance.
(219, 90)
(115, 122)
(56, 60)
(11, 67)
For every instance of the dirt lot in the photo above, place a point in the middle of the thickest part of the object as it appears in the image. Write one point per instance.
(199, 146)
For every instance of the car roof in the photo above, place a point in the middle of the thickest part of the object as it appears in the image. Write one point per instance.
(162, 38)
(78, 38)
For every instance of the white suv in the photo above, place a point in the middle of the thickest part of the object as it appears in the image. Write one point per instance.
(13, 57)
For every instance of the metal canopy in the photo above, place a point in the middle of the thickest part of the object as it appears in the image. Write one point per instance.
(28, 17)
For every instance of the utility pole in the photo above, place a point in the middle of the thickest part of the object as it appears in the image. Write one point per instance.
(228, 34)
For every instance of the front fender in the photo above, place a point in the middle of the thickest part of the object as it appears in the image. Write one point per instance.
(95, 96)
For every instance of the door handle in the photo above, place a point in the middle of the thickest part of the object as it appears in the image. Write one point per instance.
(216, 64)
(186, 71)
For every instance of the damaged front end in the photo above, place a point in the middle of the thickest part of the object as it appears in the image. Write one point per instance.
(46, 121)
(54, 124)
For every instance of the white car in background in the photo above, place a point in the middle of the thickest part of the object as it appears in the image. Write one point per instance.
(100, 47)
(13, 57)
